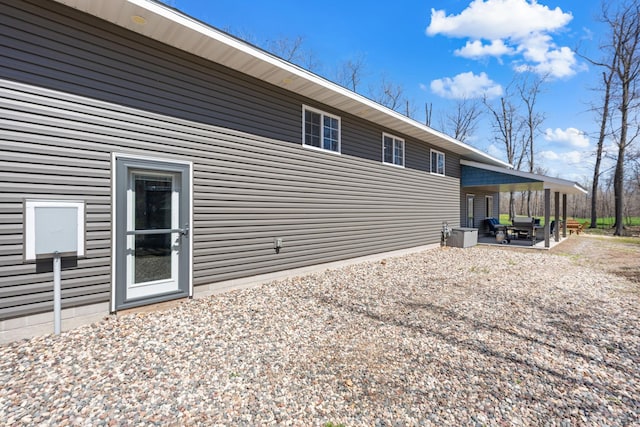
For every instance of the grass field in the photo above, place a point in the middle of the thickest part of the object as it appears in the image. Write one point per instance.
(606, 222)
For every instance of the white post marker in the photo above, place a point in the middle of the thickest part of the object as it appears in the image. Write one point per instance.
(54, 228)
(57, 293)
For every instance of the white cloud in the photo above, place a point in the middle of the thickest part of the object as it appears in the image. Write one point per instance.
(496, 152)
(572, 136)
(572, 157)
(543, 57)
(549, 155)
(476, 49)
(498, 19)
(567, 158)
(466, 86)
(510, 27)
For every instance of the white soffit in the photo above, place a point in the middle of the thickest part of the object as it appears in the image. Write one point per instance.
(169, 26)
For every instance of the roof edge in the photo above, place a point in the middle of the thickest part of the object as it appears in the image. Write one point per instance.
(545, 179)
(197, 27)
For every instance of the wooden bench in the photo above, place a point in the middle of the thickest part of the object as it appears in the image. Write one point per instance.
(573, 225)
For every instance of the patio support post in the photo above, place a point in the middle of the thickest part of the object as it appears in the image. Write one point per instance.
(564, 215)
(556, 233)
(547, 216)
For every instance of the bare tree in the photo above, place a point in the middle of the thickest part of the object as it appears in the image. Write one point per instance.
(410, 108)
(388, 94)
(528, 90)
(463, 121)
(605, 119)
(428, 111)
(352, 72)
(241, 34)
(607, 80)
(294, 51)
(288, 49)
(507, 129)
(624, 26)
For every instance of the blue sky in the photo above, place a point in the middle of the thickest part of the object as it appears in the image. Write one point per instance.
(441, 50)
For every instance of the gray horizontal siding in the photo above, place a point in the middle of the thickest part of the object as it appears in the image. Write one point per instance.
(247, 190)
(47, 44)
(70, 51)
(76, 89)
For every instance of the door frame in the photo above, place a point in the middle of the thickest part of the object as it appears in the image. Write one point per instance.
(472, 197)
(148, 162)
(488, 203)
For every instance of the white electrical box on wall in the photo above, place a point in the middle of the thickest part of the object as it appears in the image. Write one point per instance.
(53, 226)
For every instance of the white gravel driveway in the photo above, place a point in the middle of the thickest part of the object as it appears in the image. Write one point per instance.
(478, 336)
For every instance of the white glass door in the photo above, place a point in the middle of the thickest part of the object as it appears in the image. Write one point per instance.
(470, 209)
(152, 250)
(153, 235)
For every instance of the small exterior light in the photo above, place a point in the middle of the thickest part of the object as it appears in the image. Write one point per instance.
(137, 19)
(277, 244)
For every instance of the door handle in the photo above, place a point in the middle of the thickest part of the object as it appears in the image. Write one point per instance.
(183, 231)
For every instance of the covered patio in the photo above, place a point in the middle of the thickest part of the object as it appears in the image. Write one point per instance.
(520, 243)
(478, 177)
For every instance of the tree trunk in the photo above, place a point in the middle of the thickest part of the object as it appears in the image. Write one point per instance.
(603, 133)
(618, 190)
(618, 177)
(512, 206)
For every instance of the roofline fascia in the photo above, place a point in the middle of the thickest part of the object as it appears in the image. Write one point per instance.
(207, 30)
(523, 174)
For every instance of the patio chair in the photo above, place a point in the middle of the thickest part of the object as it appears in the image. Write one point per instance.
(494, 226)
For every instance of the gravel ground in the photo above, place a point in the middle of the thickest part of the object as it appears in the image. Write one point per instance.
(478, 336)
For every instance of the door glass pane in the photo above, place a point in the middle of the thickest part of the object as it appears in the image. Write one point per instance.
(153, 256)
(153, 202)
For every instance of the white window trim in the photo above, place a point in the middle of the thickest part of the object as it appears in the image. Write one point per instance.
(306, 108)
(395, 139)
(444, 163)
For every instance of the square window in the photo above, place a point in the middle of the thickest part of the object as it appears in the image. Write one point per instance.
(437, 162)
(321, 130)
(392, 150)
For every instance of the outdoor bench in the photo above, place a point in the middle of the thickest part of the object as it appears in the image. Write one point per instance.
(573, 225)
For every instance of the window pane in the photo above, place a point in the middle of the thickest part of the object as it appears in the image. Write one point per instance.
(312, 128)
(330, 134)
(398, 153)
(387, 150)
(437, 163)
